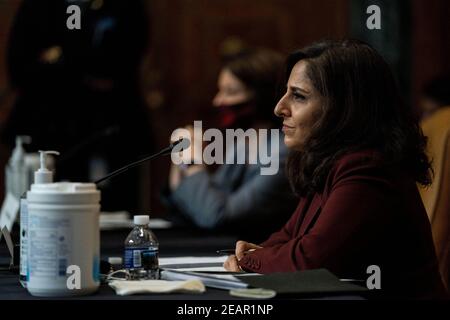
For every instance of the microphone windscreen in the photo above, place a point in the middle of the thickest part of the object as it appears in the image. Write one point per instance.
(181, 145)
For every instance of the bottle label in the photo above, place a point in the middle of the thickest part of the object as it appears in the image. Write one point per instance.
(49, 249)
(23, 237)
(141, 258)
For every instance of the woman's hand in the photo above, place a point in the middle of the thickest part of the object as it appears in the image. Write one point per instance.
(174, 177)
(242, 248)
(186, 156)
(231, 264)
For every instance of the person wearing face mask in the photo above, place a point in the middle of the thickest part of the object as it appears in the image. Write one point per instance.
(247, 90)
(236, 197)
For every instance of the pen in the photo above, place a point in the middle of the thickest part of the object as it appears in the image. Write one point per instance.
(225, 252)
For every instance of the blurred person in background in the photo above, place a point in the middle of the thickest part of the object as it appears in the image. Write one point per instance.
(78, 92)
(435, 95)
(236, 197)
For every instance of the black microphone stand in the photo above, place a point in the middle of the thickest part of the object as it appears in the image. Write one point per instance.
(165, 151)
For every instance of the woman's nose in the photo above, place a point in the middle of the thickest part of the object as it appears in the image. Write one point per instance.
(281, 109)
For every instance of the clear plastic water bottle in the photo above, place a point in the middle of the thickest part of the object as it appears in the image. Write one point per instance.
(141, 251)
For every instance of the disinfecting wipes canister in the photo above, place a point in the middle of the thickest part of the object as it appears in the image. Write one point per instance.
(63, 239)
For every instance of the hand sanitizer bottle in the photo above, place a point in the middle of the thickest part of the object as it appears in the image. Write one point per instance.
(42, 175)
(16, 175)
(63, 236)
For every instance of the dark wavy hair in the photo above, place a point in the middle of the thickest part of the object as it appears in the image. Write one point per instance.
(362, 110)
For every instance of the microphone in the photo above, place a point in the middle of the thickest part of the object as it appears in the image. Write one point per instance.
(176, 146)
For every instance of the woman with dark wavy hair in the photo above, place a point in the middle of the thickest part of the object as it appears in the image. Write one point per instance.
(356, 155)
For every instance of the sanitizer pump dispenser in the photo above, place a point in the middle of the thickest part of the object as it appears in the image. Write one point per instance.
(43, 175)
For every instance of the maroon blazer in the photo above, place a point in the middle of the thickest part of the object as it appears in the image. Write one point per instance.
(368, 214)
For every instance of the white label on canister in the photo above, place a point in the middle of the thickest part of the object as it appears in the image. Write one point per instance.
(49, 250)
(23, 237)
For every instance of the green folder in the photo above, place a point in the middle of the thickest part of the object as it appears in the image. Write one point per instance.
(317, 281)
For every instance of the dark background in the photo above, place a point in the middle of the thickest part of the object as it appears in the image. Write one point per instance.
(187, 38)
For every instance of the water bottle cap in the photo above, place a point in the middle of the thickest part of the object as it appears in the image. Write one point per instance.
(115, 260)
(141, 220)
